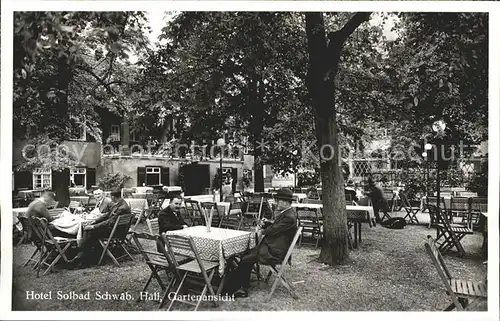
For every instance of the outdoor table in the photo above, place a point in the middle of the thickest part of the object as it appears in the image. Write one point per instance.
(137, 203)
(423, 202)
(217, 245)
(73, 224)
(355, 214)
(203, 198)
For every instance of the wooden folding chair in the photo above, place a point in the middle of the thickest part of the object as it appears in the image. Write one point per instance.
(153, 226)
(194, 212)
(308, 219)
(156, 261)
(33, 236)
(151, 213)
(348, 199)
(451, 235)
(279, 274)
(117, 238)
(216, 218)
(52, 245)
(431, 200)
(459, 208)
(476, 209)
(411, 211)
(460, 291)
(137, 214)
(196, 267)
(231, 221)
(252, 214)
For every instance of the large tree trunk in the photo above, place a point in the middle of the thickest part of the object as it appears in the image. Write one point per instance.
(323, 65)
(256, 90)
(60, 177)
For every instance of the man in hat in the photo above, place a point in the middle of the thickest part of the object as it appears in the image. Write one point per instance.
(102, 226)
(277, 237)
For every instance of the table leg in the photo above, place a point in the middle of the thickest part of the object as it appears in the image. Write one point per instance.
(359, 227)
(355, 235)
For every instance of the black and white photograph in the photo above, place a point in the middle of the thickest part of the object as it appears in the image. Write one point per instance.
(171, 160)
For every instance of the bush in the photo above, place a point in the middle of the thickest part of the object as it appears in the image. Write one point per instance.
(309, 178)
(479, 182)
(113, 180)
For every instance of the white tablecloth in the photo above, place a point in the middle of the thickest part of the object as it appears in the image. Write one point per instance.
(218, 244)
(203, 198)
(350, 208)
(73, 224)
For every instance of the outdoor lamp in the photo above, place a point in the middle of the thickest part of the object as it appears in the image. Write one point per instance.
(424, 154)
(221, 142)
(428, 147)
(439, 126)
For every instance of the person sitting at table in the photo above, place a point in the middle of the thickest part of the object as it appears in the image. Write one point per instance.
(378, 200)
(277, 237)
(103, 225)
(103, 205)
(38, 207)
(169, 218)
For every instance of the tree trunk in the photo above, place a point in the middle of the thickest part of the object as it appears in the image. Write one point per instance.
(256, 93)
(323, 65)
(60, 178)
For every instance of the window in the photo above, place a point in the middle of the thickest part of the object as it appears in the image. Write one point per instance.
(42, 179)
(77, 177)
(153, 176)
(133, 136)
(115, 133)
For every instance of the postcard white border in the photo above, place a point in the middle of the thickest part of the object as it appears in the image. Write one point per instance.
(8, 6)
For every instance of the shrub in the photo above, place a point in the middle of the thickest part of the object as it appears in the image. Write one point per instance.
(113, 180)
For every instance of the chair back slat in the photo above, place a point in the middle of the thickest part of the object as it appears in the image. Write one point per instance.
(195, 212)
(144, 238)
(292, 246)
(153, 226)
(216, 218)
(476, 203)
(439, 264)
(231, 221)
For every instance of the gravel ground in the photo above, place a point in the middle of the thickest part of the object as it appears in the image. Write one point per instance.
(390, 271)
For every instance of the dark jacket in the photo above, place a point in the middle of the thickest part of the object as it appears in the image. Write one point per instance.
(108, 219)
(106, 205)
(378, 199)
(351, 192)
(168, 220)
(38, 208)
(278, 237)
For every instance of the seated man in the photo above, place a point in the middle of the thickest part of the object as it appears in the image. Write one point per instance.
(273, 247)
(103, 225)
(169, 218)
(104, 204)
(38, 207)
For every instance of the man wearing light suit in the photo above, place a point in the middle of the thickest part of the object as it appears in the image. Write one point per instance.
(104, 204)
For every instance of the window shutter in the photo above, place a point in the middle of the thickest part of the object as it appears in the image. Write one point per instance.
(90, 177)
(23, 179)
(141, 176)
(234, 174)
(165, 176)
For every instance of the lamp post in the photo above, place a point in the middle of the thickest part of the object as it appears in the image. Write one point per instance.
(438, 127)
(221, 143)
(427, 147)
